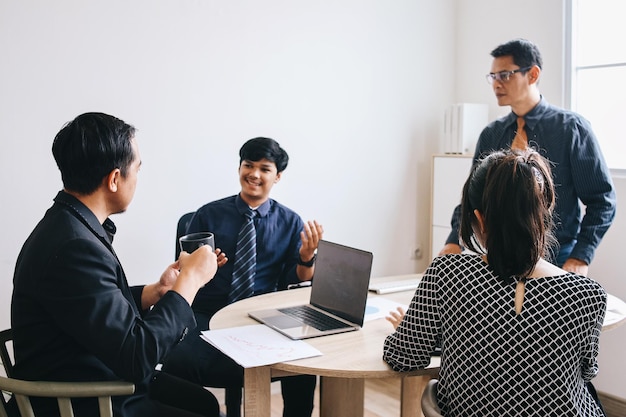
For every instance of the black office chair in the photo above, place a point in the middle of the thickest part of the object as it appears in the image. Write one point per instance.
(181, 230)
(232, 396)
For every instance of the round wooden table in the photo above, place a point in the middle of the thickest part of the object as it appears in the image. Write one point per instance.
(347, 359)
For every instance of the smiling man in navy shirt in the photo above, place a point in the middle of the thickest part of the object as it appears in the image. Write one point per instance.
(285, 253)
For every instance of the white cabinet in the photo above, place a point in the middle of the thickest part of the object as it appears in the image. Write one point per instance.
(448, 176)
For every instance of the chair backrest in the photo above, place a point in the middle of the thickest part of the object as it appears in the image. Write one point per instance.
(6, 340)
(430, 408)
(6, 351)
(63, 392)
(181, 229)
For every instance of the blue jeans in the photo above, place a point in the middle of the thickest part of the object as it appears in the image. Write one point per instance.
(564, 251)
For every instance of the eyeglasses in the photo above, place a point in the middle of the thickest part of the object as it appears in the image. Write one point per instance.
(504, 76)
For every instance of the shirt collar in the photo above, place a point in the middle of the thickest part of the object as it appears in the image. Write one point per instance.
(533, 117)
(104, 231)
(262, 210)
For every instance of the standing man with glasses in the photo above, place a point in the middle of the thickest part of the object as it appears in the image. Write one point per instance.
(565, 139)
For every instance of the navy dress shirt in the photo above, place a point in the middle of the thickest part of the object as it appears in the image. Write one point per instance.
(278, 245)
(578, 169)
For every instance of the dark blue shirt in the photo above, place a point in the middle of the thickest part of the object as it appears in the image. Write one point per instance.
(578, 169)
(278, 244)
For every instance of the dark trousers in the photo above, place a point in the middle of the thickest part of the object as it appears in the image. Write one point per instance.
(565, 249)
(176, 397)
(199, 362)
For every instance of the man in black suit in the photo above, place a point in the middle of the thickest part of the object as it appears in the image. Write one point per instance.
(74, 316)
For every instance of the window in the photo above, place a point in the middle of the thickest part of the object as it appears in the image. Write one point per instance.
(598, 62)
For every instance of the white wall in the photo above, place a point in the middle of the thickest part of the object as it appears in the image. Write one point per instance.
(353, 89)
(485, 24)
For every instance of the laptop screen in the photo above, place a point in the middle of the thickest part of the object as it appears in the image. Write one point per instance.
(341, 280)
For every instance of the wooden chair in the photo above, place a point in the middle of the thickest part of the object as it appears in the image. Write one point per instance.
(430, 408)
(63, 392)
(6, 337)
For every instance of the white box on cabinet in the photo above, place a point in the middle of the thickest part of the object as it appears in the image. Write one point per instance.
(449, 173)
(462, 124)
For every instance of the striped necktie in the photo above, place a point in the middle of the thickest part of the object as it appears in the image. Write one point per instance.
(520, 141)
(242, 285)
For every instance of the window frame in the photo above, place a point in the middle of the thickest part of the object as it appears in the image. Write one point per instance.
(570, 69)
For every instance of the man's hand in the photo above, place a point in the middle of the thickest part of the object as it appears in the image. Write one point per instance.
(576, 266)
(395, 317)
(310, 237)
(450, 248)
(200, 266)
(168, 278)
(196, 270)
(221, 257)
(152, 293)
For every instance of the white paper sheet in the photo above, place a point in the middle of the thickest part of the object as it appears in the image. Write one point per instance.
(379, 307)
(258, 345)
(615, 310)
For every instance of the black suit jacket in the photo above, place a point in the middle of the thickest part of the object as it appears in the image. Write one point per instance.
(73, 315)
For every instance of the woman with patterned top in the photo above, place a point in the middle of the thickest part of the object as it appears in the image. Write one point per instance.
(519, 335)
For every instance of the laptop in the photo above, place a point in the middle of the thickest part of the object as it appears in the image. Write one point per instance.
(338, 296)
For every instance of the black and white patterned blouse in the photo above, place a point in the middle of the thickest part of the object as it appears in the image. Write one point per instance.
(495, 362)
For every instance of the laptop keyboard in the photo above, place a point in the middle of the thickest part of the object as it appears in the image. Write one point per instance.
(313, 318)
